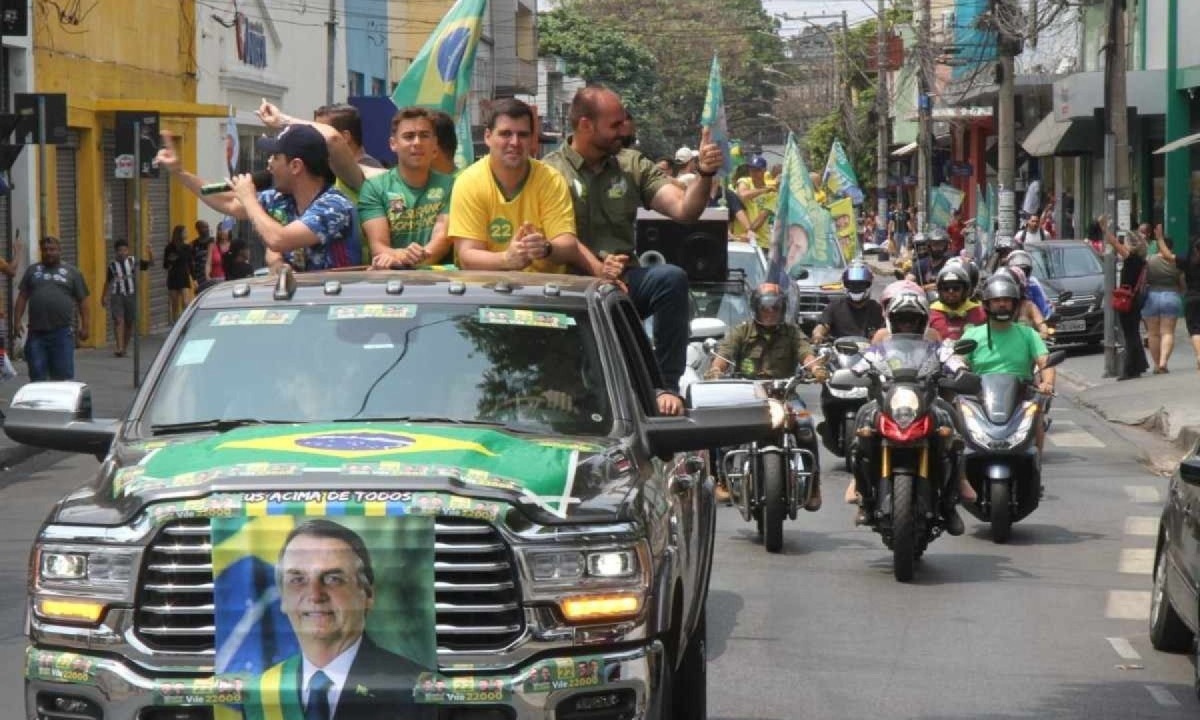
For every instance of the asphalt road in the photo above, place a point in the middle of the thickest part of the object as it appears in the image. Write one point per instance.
(1051, 625)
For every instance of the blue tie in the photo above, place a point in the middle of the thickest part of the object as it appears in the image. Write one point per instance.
(318, 697)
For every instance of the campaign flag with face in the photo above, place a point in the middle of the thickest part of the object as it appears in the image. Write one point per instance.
(983, 226)
(845, 226)
(803, 230)
(946, 199)
(713, 116)
(440, 75)
(464, 155)
(232, 146)
(839, 179)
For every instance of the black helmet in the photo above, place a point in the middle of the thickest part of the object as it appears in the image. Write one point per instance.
(1021, 259)
(766, 296)
(1004, 245)
(1001, 285)
(856, 279)
(969, 265)
(939, 243)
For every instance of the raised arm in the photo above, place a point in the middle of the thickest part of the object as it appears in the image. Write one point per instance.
(168, 158)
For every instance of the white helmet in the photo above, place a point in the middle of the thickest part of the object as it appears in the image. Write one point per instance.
(908, 307)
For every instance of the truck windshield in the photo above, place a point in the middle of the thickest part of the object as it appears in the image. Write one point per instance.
(530, 370)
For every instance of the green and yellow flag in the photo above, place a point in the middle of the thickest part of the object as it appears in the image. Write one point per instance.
(713, 116)
(465, 154)
(803, 232)
(839, 179)
(440, 76)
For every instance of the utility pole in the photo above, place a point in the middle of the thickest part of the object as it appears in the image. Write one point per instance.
(1008, 47)
(1116, 167)
(330, 49)
(881, 115)
(925, 125)
(847, 96)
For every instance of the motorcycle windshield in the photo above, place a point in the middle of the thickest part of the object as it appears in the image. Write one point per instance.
(1001, 395)
(910, 357)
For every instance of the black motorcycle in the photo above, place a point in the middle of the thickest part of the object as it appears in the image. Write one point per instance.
(1001, 457)
(839, 407)
(906, 453)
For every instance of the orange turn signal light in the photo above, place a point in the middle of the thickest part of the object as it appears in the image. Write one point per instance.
(945, 432)
(583, 608)
(71, 610)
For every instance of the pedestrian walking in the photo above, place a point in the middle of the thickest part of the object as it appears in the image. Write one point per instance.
(1189, 266)
(1164, 281)
(1133, 277)
(177, 261)
(219, 251)
(201, 246)
(54, 292)
(120, 291)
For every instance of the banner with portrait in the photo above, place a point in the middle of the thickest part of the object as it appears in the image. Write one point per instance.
(845, 226)
(803, 232)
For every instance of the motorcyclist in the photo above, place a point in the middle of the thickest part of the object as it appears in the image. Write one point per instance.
(954, 309)
(1000, 250)
(926, 269)
(854, 314)
(1007, 346)
(908, 313)
(767, 347)
(1033, 289)
(1027, 312)
(890, 293)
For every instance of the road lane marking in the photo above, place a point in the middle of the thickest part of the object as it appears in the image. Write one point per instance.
(1147, 526)
(1143, 493)
(1065, 433)
(1128, 605)
(1162, 696)
(1136, 561)
(1123, 648)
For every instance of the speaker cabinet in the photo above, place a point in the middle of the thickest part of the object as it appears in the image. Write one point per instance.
(700, 248)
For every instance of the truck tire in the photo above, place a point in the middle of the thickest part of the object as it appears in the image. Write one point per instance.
(689, 685)
(774, 503)
(904, 528)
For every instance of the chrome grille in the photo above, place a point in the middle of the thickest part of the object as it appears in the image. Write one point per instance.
(813, 302)
(478, 601)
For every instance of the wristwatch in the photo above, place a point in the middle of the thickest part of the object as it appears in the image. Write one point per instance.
(547, 248)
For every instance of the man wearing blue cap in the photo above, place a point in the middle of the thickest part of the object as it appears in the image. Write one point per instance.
(302, 217)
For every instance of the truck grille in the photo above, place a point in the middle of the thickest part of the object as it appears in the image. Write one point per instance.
(813, 302)
(477, 598)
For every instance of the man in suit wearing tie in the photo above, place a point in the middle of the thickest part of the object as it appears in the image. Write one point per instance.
(327, 586)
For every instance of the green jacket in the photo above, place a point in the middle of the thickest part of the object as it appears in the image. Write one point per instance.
(758, 352)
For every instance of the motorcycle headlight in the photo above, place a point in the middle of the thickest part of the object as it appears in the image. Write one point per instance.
(903, 405)
(778, 413)
(974, 428)
(1026, 425)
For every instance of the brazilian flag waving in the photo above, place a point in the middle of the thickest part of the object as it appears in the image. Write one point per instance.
(440, 76)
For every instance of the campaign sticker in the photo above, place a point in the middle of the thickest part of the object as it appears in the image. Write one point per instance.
(564, 673)
(525, 318)
(434, 689)
(237, 318)
(385, 311)
(60, 666)
(194, 352)
(202, 691)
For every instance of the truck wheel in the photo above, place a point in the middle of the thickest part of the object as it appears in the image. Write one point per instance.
(1001, 512)
(904, 528)
(1167, 630)
(774, 508)
(689, 686)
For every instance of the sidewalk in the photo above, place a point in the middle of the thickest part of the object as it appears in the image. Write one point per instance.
(1165, 404)
(110, 379)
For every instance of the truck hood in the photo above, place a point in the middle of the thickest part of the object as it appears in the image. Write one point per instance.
(553, 478)
(821, 279)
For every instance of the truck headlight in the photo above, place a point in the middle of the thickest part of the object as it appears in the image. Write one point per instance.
(96, 570)
(604, 564)
(63, 566)
(612, 564)
(556, 565)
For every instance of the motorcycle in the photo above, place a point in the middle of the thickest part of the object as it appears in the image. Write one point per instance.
(1001, 457)
(906, 454)
(840, 407)
(774, 478)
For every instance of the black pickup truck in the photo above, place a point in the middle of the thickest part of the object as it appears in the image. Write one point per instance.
(382, 495)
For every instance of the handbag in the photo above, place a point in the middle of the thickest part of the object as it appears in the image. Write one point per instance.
(1125, 297)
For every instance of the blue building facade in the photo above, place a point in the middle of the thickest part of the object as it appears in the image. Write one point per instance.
(367, 47)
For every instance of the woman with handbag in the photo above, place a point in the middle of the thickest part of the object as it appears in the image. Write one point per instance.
(1127, 300)
(1189, 266)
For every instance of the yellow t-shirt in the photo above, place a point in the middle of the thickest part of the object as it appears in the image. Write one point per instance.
(479, 210)
(764, 203)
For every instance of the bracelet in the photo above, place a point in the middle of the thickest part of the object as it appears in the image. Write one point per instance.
(703, 174)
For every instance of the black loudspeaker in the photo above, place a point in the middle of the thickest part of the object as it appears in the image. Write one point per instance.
(700, 248)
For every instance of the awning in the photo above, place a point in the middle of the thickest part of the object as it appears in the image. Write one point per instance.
(906, 150)
(1051, 137)
(1176, 144)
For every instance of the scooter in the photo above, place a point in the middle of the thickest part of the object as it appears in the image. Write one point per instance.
(1001, 457)
(839, 407)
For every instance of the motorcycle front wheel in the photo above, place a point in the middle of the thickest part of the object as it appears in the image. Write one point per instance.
(904, 528)
(774, 494)
(848, 430)
(1001, 511)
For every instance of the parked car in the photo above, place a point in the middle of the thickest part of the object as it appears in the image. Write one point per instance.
(561, 556)
(1175, 594)
(1072, 266)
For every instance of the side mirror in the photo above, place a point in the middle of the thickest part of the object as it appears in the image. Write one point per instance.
(800, 273)
(964, 384)
(707, 427)
(1189, 470)
(724, 393)
(846, 380)
(965, 347)
(704, 328)
(58, 416)
(1056, 358)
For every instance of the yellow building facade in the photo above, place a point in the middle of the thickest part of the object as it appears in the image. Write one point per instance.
(136, 55)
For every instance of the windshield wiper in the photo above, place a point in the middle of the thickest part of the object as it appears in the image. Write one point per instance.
(223, 425)
(435, 419)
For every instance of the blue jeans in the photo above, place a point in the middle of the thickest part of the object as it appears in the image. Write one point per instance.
(51, 354)
(661, 292)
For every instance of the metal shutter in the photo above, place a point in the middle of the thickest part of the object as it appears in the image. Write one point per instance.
(157, 199)
(68, 214)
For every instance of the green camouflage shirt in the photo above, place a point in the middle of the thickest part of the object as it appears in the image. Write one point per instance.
(759, 352)
(606, 200)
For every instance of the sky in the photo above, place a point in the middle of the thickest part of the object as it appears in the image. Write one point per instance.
(855, 10)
